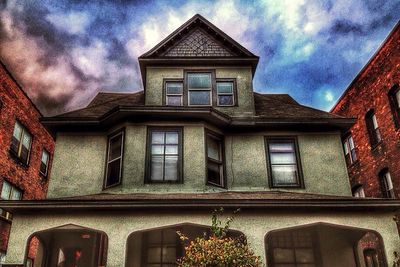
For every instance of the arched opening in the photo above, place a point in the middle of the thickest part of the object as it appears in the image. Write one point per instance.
(327, 245)
(66, 246)
(161, 247)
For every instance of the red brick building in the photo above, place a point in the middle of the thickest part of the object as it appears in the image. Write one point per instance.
(372, 146)
(26, 149)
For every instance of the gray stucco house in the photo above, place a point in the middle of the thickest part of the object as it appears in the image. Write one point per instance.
(131, 169)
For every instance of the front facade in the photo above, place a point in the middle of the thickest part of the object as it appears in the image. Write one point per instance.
(26, 150)
(129, 170)
(372, 144)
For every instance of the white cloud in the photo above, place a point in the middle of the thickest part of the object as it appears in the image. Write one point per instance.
(74, 22)
(91, 60)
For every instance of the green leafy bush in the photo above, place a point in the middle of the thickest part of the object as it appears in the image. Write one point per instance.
(218, 249)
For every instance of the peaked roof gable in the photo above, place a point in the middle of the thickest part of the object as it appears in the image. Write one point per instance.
(198, 38)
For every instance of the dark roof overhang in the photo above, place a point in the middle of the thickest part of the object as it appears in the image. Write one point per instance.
(328, 205)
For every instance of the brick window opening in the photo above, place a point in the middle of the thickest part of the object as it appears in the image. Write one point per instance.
(349, 150)
(358, 191)
(114, 159)
(386, 184)
(44, 163)
(373, 128)
(21, 143)
(394, 96)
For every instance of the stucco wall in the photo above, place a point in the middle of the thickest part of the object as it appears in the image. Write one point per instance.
(79, 163)
(255, 225)
(243, 76)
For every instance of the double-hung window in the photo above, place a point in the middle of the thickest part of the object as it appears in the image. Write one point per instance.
(44, 163)
(174, 93)
(199, 86)
(164, 155)
(283, 162)
(215, 160)
(9, 192)
(225, 93)
(21, 143)
(373, 128)
(394, 96)
(349, 150)
(114, 159)
(387, 184)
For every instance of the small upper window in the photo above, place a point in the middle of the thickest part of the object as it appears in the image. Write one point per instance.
(21, 142)
(284, 167)
(215, 160)
(394, 95)
(174, 93)
(199, 89)
(387, 184)
(358, 191)
(373, 128)
(44, 163)
(114, 159)
(164, 155)
(225, 96)
(349, 150)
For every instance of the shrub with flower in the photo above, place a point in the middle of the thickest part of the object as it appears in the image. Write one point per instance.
(218, 249)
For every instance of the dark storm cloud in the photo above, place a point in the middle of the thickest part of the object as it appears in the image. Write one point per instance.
(64, 52)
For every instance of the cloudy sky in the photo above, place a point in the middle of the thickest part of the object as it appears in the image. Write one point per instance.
(63, 52)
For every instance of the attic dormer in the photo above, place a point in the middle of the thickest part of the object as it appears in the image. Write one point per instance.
(199, 65)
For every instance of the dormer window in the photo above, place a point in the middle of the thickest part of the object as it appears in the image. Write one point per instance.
(174, 93)
(199, 87)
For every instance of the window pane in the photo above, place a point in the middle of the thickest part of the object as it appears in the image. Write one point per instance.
(16, 194)
(282, 255)
(172, 137)
(157, 163)
(351, 142)
(157, 138)
(45, 157)
(354, 155)
(17, 131)
(15, 145)
(171, 168)
(113, 172)
(115, 147)
(225, 87)
(171, 149)
(43, 168)
(284, 174)
(169, 255)
(174, 100)
(199, 97)
(398, 98)
(26, 140)
(199, 80)
(225, 100)
(281, 147)
(6, 190)
(283, 158)
(154, 255)
(374, 121)
(174, 88)
(24, 154)
(388, 179)
(304, 255)
(157, 149)
(213, 148)
(346, 148)
(214, 173)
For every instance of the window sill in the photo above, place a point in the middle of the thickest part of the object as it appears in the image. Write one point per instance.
(18, 160)
(287, 187)
(216, 185)
(163, 182)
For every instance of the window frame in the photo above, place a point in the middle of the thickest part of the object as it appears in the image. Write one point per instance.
(165, 94)
(187, 90)
(278, 139)
(386, 191)
(17, 155)
(150, 129)
(358, 191)
(349, 157)
(374, 134)
(47, 164)
(234, 91)
(107, 162)
(395, 104)
(221, 139)
(3, 213)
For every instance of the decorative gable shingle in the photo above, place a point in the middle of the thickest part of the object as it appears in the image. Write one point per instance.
(198, 44)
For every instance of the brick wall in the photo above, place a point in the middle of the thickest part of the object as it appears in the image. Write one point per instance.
(368, 91)
(15, 105)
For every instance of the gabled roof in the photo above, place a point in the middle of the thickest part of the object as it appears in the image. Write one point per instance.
(197, 42)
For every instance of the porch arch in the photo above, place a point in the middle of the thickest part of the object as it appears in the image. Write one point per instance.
(65, 245)
(326, 245)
